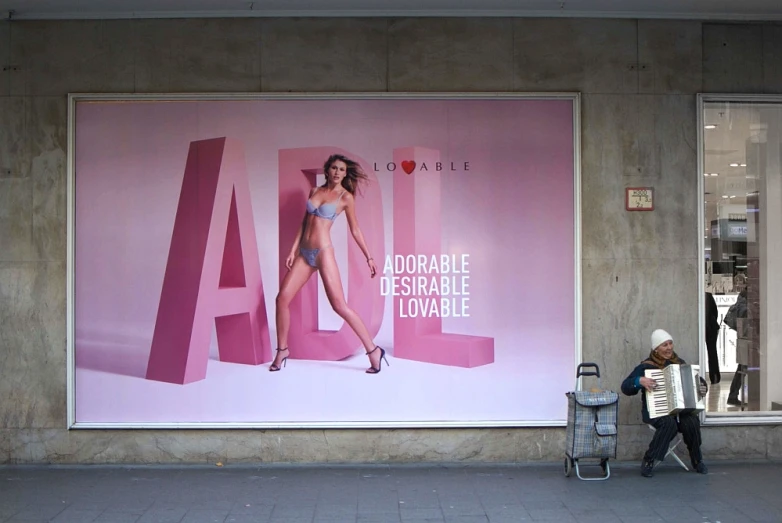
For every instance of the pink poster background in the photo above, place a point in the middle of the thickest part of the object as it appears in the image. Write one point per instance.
(512, 212)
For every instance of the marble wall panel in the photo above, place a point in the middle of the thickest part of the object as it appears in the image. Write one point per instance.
(774, 442)
(61, 446)
(452, 445)
(14, 155)
(47, 135)
(58, 57)
(719, 443)
(585, 55)
(639, 272)
(324, 55)
(450, 54)
(732, 58)
(734, 442)
(16, 202)
(29, 445)
(623, 302)
(212, 447)
(670, 56)
(540, 444)
(5, 55)
(5, 446)
(632, 440)
(639, 141)
(772, 65)
(197, 55)
(32, 346)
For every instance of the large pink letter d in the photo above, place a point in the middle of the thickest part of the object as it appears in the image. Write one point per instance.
(212, 272)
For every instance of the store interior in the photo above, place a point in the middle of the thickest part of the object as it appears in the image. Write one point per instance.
(741, 155)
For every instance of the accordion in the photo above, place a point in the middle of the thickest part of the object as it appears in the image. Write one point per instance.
(678, 390)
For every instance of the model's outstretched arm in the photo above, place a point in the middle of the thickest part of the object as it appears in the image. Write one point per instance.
(355, 230)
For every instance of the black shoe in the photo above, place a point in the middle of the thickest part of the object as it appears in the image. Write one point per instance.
(700, 468)
(647, 468)
(734, 400)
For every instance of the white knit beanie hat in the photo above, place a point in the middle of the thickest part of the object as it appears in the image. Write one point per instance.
(659, 337)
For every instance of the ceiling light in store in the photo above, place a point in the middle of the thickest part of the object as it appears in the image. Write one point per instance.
(743, 164)
(733, 196)
(734, 165)
(710, 126)
(711, 174)
(724, 195)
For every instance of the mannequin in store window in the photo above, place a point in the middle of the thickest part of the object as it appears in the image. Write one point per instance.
(740, 281)
(666, 427)
(737, 310)
(712, 335)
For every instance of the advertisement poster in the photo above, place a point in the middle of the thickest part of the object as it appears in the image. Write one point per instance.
(186, 213)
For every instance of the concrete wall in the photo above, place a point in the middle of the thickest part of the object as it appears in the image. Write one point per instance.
(638, 79)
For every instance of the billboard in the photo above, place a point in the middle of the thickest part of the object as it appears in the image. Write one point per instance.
(205, 232)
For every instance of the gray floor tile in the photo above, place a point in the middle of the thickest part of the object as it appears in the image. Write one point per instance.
(733, 492)
(462, 509)
(117, 517)
(204, 516)
(413, 514)
(246, 518)
(44, 512)
(170, 515)
(76, 516)
(378, 518)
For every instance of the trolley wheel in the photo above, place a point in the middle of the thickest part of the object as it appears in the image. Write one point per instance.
(604, 466)
(568, 467)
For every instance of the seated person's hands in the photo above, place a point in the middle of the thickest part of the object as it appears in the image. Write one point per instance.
(648, 383)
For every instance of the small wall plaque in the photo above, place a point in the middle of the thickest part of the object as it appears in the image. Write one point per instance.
(639, 199)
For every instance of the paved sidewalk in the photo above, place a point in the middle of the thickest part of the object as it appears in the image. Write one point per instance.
(731, 492)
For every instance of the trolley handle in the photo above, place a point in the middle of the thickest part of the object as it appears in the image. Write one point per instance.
(580, 372)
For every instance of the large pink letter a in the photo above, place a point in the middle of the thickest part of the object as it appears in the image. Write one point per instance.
(213, 272)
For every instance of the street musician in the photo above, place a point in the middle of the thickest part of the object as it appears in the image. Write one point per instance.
(666, 426)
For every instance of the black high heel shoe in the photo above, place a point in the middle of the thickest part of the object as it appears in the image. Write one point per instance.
(375, 370)
(274, 367)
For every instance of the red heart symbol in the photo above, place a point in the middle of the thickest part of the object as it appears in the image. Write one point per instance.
(408, 166)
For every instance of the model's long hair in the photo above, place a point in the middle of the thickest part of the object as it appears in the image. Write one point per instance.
(354, 176)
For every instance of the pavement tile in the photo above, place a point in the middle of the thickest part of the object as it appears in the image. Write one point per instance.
(77, 516)
(415, 514)
(204, 516)
(732, 492)
(117, 517)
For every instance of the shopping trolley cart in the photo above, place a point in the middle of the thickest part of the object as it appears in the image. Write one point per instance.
(591, 424)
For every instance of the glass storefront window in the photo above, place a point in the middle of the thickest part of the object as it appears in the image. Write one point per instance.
(740, 158)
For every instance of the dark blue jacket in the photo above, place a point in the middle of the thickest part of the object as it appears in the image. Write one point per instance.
(631, 385)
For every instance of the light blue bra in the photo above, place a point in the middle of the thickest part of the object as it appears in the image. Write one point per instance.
(326, 210)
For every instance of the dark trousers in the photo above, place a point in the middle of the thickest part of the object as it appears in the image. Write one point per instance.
(735, 385)
(714, 361)
(666, 428)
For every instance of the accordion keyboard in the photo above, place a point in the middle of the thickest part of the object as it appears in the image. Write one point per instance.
(657, 400)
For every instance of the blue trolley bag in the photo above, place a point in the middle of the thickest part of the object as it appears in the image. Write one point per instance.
(591, 424)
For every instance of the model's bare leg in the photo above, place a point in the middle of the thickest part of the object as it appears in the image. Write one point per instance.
(329, 273)
(292, 283)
